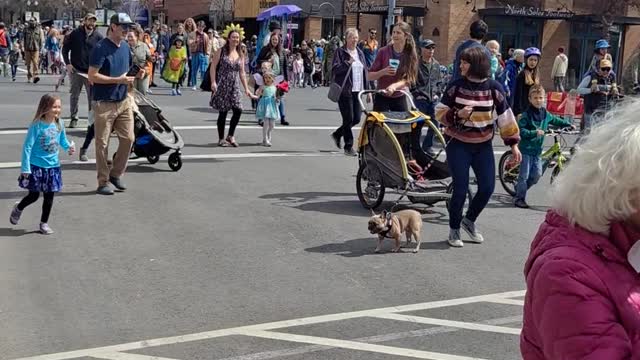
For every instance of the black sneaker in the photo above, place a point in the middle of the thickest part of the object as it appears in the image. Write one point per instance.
(73, 123)
(117, 183)
(284, 123)
(521, 204)
(350, 152)
(36, 79)
(336, 140)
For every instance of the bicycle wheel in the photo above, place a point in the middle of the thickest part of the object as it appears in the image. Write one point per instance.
(555, 173)
(370, 185)
(508, 172)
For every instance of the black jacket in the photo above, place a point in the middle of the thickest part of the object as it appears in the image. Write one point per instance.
(341, 67)
(80, 46)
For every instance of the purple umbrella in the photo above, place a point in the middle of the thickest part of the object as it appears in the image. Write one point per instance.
(278, 10)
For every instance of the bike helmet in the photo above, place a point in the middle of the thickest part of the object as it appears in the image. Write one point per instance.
(532, 51)
(602, 44)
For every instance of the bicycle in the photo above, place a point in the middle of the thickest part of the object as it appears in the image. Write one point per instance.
(508, 169)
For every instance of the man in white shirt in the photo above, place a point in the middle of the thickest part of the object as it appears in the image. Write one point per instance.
(559, 70)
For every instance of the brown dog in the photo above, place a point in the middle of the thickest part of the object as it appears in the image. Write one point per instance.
(393, 225)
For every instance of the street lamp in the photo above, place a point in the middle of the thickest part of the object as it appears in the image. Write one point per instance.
(333, 15)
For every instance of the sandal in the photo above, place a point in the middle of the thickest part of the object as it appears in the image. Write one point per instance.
(232, 141)
(223, 143)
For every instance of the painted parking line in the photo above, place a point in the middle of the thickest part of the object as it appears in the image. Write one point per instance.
(449, 323)
(266, 330)
(507, 301)
(193, 127)
(15, 164)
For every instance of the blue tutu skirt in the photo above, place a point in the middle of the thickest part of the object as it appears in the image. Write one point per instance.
(42, 180)
(267, 108)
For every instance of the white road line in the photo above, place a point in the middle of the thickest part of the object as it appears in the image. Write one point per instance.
(269, 326)
(265, 355)
(354, 345)
(12, 165)
(506, 301)
(450, 323)
(127, 356)
(194, 127)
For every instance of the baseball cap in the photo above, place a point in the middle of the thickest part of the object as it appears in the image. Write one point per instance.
(121, 19)
(427, 43)
(90, 16)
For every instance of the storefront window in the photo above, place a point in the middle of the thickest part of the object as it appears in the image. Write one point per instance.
(514, 32)
(581, 49)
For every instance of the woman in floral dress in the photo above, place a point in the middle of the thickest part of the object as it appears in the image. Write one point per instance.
(224, 86)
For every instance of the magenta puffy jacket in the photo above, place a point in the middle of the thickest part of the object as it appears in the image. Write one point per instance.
(583, 296)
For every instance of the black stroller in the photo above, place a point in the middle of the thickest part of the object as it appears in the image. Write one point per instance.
(154, 134)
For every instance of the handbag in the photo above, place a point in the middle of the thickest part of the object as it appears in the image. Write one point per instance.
(206, 80)
(335, 90)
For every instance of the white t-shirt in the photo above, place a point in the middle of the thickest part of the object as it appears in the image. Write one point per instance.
(357, 69)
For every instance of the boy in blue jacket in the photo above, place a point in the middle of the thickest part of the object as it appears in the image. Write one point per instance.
(533, 124)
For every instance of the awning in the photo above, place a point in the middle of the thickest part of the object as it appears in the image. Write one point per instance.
(616, 20)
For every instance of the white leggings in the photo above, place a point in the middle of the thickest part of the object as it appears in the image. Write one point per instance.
(267, 128)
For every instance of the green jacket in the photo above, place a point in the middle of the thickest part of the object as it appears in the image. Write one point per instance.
(530, 142)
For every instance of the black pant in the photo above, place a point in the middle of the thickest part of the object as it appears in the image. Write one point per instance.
(91, 133)
(222, 120)
(47, 204)
(351, 114)
(384, 103)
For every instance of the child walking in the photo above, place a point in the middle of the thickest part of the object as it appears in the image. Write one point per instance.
(14, 57)
(267, 111)
(40, 172)
(533, 124)
(174, 66)
(298, 71)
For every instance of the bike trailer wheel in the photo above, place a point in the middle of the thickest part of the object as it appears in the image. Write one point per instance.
(370, 185)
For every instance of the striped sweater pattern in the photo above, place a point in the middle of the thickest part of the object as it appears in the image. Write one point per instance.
(489, 108)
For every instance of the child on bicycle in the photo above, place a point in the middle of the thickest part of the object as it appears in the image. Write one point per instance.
(533, 124)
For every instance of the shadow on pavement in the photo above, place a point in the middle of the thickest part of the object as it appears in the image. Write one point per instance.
(19, 194)
(504, 201)
(329, 110)
(200, 109)
(303, 196)
(16, 232)
(366, 246)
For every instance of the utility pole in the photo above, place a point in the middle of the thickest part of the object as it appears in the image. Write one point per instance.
(390, 18)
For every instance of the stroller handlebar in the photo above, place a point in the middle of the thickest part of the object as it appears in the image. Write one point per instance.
(383, 91)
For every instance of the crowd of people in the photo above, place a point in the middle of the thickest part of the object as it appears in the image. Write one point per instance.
(573, 308)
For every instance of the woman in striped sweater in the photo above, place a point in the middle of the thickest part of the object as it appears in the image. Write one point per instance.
(469, 110)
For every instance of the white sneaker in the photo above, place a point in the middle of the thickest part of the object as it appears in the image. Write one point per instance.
(194, 88)
(454, 238)
(468, 226)
(45, 229)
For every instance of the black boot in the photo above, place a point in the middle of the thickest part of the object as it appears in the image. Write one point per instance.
(283, 122)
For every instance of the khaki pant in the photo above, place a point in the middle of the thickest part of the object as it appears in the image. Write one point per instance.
(117, 117)
(32, 61)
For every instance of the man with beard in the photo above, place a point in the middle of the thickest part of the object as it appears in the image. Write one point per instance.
(76, 50)
(32, 45)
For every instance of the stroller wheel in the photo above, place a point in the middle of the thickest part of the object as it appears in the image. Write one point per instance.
(152, 159)
(175, 161)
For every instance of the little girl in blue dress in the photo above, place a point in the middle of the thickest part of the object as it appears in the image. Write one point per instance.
(40, 170)
(267, 111)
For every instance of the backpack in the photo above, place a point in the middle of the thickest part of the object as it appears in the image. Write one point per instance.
(3, 39)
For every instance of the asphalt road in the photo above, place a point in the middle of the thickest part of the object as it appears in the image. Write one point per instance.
(246, 253)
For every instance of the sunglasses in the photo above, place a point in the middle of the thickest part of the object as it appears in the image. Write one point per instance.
(605, 69)
(373, 33)
(431, 47)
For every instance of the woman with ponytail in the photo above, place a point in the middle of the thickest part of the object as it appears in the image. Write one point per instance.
(395, 68)
(526, 79)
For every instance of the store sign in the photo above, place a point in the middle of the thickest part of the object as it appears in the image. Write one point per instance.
(267, 4)
(158, 4)
(532, 11)
(365, 7)
(292, 26)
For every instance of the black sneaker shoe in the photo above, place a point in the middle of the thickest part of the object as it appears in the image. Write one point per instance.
(350, 152)
(104, 190)
(117, 183)
(73, 123)
(36, 79)
(283, 122)
(521, 204)
(336, 140)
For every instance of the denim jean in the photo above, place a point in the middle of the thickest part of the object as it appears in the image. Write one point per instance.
(461, 157)
(530, 172)
(281, 109)
(199, 64)
(428, 108)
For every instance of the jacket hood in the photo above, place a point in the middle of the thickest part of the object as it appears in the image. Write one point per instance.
(556, 231)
